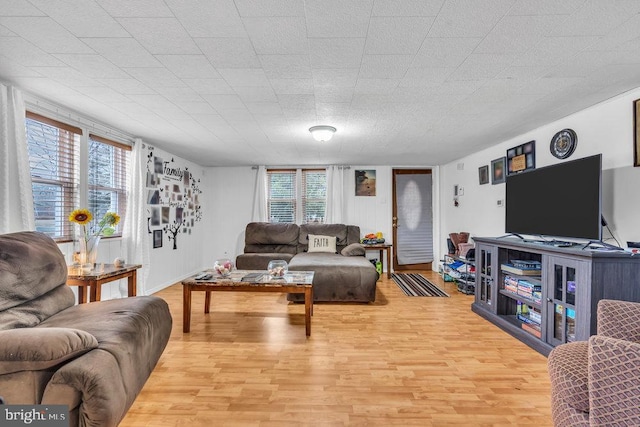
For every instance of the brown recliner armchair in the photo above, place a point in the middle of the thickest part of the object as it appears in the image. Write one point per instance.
(94, 358)
(597, 382)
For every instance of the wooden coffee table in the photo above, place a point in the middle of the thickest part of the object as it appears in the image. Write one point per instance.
(98, 276)
(294, 282)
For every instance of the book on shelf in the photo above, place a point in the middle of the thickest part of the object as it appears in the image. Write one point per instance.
(526, 264)
(510, 268)
(532, 329)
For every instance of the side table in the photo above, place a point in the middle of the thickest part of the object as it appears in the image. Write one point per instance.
(382, 247)
(98, 276)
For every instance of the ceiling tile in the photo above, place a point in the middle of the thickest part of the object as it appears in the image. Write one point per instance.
(208, 18)
(94, 66)
(180, 95)
(552, 50)
(264, 108)
(469, 18)
(444, 52)
(545, 7)
(335, 78)
(189, 66)
(595, 18)
(123, 52)
(407, 7)
(81, 18)
(256, 94)
(292, 86)
(67, 76)
(25, 53)
(281, 35)
(425, 76)
(160, 35)
(286, 66)
(244, 76)
(104, 94)
(10, 68)
(384, 66)
(376, 86)
(45, 33)
(229, 52)
(136, 9)
(155, 77)
(397, 35)
(516, 34)
(127, 86)
(19, 8)
(270, 7)
(196, 108)
(209, 86)
(478, 66)
(336, 53)
(224, 102)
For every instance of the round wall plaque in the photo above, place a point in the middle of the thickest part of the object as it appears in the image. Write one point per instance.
(563, 143)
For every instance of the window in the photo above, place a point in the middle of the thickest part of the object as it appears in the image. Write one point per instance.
(296, 195)
(57, 171)
(108, 164)
(53, 153)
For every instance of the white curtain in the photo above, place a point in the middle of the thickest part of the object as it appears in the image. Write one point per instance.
(16, 195)
(135, 237)
(335, 195)
(260, 196)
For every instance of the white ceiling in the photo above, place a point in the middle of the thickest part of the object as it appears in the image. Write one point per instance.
(405, 82)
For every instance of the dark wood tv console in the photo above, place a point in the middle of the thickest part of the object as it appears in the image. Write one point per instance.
(556, 303)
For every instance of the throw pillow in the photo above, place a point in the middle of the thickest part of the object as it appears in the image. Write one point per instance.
(354, 249)
(322, 243)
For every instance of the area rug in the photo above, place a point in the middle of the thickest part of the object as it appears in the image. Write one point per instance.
(416, 285)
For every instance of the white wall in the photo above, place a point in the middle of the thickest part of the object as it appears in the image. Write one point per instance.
(231, 205)
(605, 128)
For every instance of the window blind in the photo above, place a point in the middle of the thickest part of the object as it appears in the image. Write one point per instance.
(53, 149)
(314, 195)
(108, 166)
(281, 195)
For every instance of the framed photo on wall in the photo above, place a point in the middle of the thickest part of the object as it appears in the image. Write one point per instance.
(521, 158)
(498, 170)
(157, 239)
(365, 182)
(636, 132)
(483, 174)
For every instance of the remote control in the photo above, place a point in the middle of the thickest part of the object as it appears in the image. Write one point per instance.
(204, 276)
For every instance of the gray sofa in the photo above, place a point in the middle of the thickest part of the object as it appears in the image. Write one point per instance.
(344, 276)
(95, 358)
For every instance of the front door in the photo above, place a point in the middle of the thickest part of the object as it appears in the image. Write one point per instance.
(412, 219)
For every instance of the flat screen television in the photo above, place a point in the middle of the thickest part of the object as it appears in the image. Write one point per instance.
(562, 200)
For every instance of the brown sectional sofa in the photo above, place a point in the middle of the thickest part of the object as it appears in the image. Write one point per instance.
(344, 276)
(95, 358)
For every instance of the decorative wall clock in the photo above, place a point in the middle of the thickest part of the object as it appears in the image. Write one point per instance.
(563, 143)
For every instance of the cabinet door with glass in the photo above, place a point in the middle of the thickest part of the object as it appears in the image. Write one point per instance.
(486, 273)
(567, 285)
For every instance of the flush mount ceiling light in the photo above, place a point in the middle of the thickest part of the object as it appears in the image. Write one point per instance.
(322, 133)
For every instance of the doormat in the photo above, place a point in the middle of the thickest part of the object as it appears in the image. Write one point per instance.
(416, 285)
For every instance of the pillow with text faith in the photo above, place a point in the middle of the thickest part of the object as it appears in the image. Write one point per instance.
(322, 243)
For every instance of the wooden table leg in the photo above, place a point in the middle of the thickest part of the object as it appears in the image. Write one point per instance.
(186, 308)
(82, 294)
(132, 284)
(95, 291)
(308, 304)
(389, 263)
(207, 301)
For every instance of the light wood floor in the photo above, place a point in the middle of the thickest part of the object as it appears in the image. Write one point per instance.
(399, 361)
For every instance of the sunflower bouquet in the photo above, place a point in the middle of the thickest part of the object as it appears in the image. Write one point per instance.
(106, 226)
(90, 238)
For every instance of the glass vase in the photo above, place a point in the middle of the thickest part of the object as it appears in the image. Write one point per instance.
(89, 252)
(277, 268)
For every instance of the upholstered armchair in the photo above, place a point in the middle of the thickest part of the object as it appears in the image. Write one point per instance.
(597, 382)
(95, 358)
